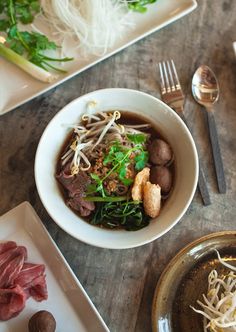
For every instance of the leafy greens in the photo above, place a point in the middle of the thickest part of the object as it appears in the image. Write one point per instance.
(128, 215)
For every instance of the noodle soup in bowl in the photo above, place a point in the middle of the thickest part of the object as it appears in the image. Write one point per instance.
(69, 149)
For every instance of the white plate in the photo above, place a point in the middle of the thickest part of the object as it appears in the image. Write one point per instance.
(67, 300)
(14, 92)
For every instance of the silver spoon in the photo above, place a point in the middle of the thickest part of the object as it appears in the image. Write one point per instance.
(205, 89)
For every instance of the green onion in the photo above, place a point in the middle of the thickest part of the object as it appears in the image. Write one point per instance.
(105, 199)
(26, 65)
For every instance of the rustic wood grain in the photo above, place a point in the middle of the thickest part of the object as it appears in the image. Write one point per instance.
(121, 283)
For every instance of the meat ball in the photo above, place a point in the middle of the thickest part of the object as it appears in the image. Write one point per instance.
(159, 152)
(42, 321)
(161, 175)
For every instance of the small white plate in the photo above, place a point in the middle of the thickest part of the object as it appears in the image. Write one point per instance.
(67, 300)
(15, 92)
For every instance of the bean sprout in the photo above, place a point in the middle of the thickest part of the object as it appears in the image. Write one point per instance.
(219, 309)
(97, 131)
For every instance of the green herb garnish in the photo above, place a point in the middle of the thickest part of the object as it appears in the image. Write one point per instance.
(119, 159)
(141, 160)
(31, 45)
(137, 138)
(140, 5)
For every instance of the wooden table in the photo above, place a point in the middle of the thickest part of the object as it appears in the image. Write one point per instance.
(121, 283)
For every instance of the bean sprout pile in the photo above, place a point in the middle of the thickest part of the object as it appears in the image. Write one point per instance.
(97, 133)
(219, 306)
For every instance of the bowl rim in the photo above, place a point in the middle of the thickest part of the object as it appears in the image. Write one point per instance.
(150, 238)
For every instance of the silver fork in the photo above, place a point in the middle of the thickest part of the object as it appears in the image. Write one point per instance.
(173, 96)
(171, 91)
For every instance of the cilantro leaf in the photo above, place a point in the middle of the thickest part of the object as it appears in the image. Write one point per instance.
(26, 37)
(116, 153)
(25, 16)
(126, 181)
(12, 33)
(16, 46)
(140, 5)
(137, 138)
(141, 160)
(95, 177)
(108, 159)
(119, 155)
(35, 6)
(4, 25)
(41, 42)
(25, 10)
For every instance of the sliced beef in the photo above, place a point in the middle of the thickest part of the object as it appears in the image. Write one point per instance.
(76, 187)
(12, 302)
(32, 280)
(76, 184)
(9, 254)
(78, 203)
(4, 246)
(11, 271)
(29, 272)
(38, 288)
(19, 280)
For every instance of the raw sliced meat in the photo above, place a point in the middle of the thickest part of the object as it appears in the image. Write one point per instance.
(32, 280)
(8, 255)
(11, 271)
(12, 302)
(18, 280)
(4, 246)
(38, 288)
(29, 272)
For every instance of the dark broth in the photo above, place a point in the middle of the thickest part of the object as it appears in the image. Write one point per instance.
(133, 119)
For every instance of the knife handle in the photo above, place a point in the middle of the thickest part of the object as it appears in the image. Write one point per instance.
(220, 176)
(202, 184)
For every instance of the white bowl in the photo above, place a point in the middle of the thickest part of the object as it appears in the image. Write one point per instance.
(177, 135)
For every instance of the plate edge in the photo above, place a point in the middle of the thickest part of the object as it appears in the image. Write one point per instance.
(176, 257)
(193, 5)
(27, 206)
